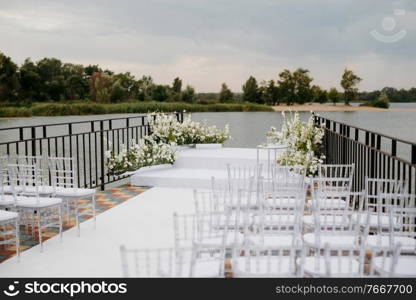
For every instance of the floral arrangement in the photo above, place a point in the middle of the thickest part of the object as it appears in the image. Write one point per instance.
(167, 129)
(158, 147)
(303, 142)
(146, 153)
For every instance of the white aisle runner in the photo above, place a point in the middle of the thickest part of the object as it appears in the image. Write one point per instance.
(144, 221)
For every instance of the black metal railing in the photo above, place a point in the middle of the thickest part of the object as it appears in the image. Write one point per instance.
(85, 141)
(375, 155)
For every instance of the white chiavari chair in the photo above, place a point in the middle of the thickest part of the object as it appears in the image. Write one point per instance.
(34, 210)
(78, 201)
(387, 262)
(402, 229)
(334, 227)
(335, 262)
(168, 262)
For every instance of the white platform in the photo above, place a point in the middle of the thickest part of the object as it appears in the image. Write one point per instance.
(144, 221)
(195, 167)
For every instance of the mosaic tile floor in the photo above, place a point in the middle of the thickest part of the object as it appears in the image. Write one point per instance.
(104, 201)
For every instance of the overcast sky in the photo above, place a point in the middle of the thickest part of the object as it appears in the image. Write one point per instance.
(207, 42)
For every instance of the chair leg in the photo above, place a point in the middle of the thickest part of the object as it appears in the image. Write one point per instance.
(17, 234)
(60, 211)
(93, 211)
(40, 233)
(77, 219)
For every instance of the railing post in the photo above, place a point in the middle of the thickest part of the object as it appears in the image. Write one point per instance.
(413, 154)
(127, 133)
(393, 148)
(33, 136)
(102, 155)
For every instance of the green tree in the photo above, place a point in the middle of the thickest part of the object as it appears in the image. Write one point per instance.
(75, 81)
(349, 83)
(287, 87)
(160, 93)
(9, 80)
(225, 95)
(176, 89)
(30, 81)
(188, 95)
(271, 93)
(251, 92)
(302, 81)
(100, 87)
(334, 96)
(319, 95)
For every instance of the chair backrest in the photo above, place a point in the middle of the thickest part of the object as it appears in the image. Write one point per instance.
(376, 186)
(344, 261)
(210, 201)
(184, 229)
(63, 172)
(286, 177)
(252, 261)
(244, 177)
(157, 262)
(336, 171)
(25, 180)
(332, 188)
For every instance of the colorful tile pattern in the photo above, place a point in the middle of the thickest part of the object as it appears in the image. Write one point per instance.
(104, 201)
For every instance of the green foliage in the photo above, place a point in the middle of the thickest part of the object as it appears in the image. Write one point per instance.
(251, 91)
(295, 87)
(90, 108)
(188, 95)
(334, 96)
(381, 102)
(319, 95)
(226, 95)
(271, 93)
(9, 81)
(349, 82)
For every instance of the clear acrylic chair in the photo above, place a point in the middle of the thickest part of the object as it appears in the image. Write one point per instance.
(333, 227)
(380, 196)
(402, 227)
(78, 201)
(334, 262)
(34, 210)
(285, 178)
(169, 262)
(387, 262)
(9, 230)
(244, 177)
(279, 224)
(261, 261)
(45, 189)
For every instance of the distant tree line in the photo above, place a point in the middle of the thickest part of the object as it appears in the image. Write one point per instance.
(50, 79)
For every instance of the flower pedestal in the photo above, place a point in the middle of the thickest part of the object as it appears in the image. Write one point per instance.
(208, 146)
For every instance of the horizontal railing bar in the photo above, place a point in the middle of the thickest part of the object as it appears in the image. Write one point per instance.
(371, 132)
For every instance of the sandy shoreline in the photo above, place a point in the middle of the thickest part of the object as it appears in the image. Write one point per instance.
(329, 107)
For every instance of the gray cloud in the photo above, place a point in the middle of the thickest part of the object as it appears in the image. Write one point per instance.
(212, 41)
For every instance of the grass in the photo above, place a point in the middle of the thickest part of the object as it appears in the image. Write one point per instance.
(89, 108)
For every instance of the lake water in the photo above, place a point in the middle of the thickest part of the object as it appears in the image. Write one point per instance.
(248, 129)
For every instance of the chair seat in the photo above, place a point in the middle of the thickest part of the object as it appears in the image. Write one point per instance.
(216, 242)
(6, 200)
(8, 215)
(332, 220)
(333, 239)
(338, 266)
(374, 220)
(263, 267)
(330, 203)
(274, 219)
(32, 202)
(74, 192)
(281, 203)
(203, 269)
(43, 189)
(271, 240)
(405, 267)
(408, 243)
